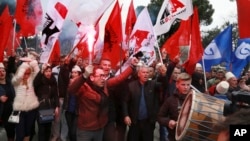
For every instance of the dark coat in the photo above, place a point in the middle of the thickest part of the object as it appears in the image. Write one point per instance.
(46, 91)
(170, 111)
(6, 108)
(152, 91)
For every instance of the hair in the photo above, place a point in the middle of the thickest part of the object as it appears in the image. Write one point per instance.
(138, 68)
(183, 77)
(47, 67)
(105, 59)
(94, 70)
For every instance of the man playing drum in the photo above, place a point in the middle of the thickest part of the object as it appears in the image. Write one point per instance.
(170, 110)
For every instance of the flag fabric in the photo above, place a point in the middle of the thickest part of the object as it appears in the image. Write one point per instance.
(142, 39)
(196, 49)
(80, 45)
(130, 22)
(55, 16)
(241, 56)
(169, 12)
(99, 43)
(87, 12)
(6, 26)
(55, 53)
(243, 24)
(219, 51)
(178, 43)
(113, 37)
(28, 15)
(9, 48)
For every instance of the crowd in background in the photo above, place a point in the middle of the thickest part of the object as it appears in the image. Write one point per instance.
(91, 103)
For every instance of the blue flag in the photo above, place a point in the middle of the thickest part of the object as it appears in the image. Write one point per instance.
(241, 56)
(219, 51)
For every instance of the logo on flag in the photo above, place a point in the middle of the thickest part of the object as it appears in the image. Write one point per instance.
(241, 56)
(243, 51)
(171, 10)
(219, 51)
(212, 51)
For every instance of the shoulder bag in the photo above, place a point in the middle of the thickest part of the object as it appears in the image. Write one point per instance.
(14, 117)
(46, 115)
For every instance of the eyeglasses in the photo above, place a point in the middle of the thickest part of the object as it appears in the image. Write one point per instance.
(101, 76)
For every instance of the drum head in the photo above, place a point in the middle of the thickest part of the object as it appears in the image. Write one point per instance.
(185, 113)
(198, 116)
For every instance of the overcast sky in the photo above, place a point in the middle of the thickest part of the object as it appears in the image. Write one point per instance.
(224, 11)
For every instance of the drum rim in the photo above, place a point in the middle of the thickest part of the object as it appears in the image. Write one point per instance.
(181, 135)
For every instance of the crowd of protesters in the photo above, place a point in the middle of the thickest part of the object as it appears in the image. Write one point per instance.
(91, 103)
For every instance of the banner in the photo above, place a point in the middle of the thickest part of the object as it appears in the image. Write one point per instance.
(169, 12)
(142, 39)
(219, 51)
(55, 16)
(241, 56)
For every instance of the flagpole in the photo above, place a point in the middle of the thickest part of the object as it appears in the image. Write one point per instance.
(204, 72)
(159, 52)
(14, 35)
(26, 47)
(120, 62)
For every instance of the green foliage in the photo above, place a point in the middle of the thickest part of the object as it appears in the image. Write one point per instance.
(205, 10)
(209, 35)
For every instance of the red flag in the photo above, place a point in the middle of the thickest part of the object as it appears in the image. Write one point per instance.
(180, 38)
(5, 28)
(243, 23)
(28, 15)
(113, 36)
(9, 45)
(131, 19)
(55, 53)
(196, 49)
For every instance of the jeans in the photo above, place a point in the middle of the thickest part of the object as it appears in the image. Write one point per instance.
(163, 133)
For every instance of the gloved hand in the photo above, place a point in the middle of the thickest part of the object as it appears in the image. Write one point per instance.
(88, 71)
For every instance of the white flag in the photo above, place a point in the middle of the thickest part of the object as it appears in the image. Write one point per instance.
(142, 39)
(55, 16)
(169, 12)
(87, 12)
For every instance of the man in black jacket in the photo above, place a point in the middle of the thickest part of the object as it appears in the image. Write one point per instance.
(141, 106)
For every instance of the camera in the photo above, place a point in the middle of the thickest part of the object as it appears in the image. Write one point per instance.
(138, 54)
(239, 100)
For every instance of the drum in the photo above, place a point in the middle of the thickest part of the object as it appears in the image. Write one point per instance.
(198, 116)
